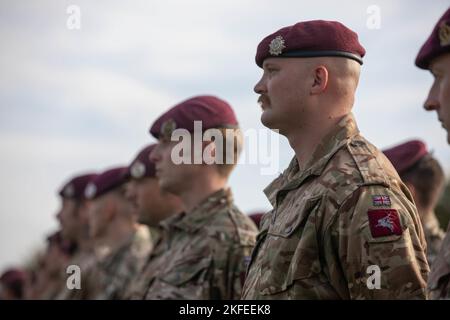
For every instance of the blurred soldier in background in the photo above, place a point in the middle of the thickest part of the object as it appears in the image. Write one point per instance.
(121, 246)
(74, 224)
(435, 57)
(152, 204)
(12, 283)
(51, 277)
(424, 177)
(256, 218)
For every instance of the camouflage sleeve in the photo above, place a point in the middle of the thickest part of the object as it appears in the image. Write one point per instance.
(380, 245)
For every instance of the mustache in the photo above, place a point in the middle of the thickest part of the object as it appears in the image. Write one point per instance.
(263, 99)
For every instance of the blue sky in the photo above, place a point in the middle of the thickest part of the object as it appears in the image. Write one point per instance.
(80, 100)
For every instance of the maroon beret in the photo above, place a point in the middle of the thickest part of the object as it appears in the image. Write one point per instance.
(317, 38)
(74, 189)
(256, 217)
(406, 155)
(437, 43)
(211, 111)
(141, 166)
(104, 182)
(12, 276)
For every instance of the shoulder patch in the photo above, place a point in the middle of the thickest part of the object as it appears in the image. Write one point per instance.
(384, 222)
(381, 201)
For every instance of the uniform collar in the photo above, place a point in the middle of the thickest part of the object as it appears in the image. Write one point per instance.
(292, 177)
(201, 214)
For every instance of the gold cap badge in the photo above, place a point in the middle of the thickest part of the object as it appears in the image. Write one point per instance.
(137, 170)
(167, 128)
(444, 34)
(276, 46)
(90, 191)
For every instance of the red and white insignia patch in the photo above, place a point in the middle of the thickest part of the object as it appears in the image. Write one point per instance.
(384, 222)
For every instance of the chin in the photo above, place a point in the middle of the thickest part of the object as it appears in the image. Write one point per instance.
(265, 120)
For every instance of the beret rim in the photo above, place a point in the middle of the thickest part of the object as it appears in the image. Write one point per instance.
(319, 53)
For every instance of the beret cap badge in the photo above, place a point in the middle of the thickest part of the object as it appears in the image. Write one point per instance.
(90, 191)
(276, 46)
(167, 128)
(444, 34)
(137, 170)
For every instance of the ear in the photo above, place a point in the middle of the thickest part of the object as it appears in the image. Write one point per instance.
(320, 80)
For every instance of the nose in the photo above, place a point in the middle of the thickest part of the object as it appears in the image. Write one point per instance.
(154, 156)
(432, 101)
(431, 104)
(260, 86)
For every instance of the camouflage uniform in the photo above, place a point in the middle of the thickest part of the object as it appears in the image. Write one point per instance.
(114, 271)
(86, 261)
(439, 280)
(318, 241)
(200, 255)
(433, 236)
(106, 273)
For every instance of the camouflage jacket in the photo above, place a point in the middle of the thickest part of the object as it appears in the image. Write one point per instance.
(200, 255)
(434, 236)
(114, 270)
(439, 281)
(85, 260)
(333, 226)
(105, 273)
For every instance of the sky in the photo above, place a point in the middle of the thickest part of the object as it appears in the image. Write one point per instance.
(79, 100)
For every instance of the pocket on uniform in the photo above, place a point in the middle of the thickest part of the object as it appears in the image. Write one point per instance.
(291, 252)
(192, 268)
(285, 224)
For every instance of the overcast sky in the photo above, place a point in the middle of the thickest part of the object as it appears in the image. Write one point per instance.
(76, 100)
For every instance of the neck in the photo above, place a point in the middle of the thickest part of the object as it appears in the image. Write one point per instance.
(84, 242)
(117, 233)
(200, 189)
(304, 141)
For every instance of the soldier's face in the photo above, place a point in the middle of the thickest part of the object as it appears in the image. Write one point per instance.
(68, 218)
(152, 205)
(283, 93)
(172, 178)
(100, 213)
(439, 96)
